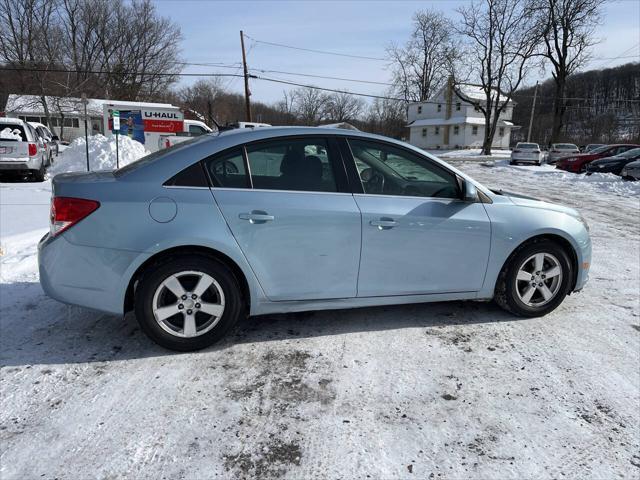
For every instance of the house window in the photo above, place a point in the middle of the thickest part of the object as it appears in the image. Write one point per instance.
(437, 130)
(456, 129)
(419, 109)
(476, 107)
(474, 130)
(501, 131)
(424, 132)
(439, 107)
(458, 105)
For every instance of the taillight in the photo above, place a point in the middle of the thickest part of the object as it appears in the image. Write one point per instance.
(67, 211)
(33, 149)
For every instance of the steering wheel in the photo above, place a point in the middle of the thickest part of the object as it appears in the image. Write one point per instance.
(225, 167)
(373, 180)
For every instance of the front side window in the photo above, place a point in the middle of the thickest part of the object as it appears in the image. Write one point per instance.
(388, 170)
(299, 164)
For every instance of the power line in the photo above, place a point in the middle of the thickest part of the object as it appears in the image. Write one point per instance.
(268, 79)
(262, 70)
(323, 52)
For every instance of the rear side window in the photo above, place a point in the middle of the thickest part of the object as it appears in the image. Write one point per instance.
(295, 164)
(227, 169)
(192, 176)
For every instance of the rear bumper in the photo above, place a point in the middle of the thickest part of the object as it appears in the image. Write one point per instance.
(516, 158)
(25, 163)
(91, 277)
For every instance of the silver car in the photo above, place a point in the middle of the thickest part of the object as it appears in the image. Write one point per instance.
(526, 153)
(560, 150)
(22, 149)
(631, 171)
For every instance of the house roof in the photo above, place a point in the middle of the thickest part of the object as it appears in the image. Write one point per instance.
(26, 104)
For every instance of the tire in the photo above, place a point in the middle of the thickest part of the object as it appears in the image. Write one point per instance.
(171, 333)
(511, 293)
(38, 175)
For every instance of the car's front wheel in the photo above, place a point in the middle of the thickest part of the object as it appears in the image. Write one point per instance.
(535, 280)
(188, 303)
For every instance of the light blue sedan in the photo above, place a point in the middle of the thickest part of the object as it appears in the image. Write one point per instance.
(271, 220)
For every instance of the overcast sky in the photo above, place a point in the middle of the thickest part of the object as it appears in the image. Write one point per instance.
(363, 28)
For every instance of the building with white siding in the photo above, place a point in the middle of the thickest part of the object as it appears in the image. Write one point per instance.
(452, 119)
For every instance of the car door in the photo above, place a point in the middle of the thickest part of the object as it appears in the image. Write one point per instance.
(418, 236)
(287, 204)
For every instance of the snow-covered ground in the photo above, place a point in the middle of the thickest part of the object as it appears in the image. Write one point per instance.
(455, 390)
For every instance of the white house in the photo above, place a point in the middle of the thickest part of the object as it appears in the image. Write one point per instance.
(453, 120)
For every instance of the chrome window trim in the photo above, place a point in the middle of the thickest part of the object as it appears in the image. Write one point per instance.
(278, 191)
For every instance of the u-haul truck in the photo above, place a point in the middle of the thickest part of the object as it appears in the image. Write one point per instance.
(150, 123)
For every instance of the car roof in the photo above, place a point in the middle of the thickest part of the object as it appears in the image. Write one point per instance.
(11, 120)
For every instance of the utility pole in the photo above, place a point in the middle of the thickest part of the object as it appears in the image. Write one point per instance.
(533, 107)
(247, 93)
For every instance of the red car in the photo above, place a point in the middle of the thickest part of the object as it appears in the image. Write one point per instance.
(578, 163)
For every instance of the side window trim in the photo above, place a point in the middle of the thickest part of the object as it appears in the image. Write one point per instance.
(247, 167)
(357, 187)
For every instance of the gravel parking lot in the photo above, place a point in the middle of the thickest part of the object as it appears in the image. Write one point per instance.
(446, 390)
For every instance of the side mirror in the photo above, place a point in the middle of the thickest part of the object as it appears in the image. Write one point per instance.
(468, 190)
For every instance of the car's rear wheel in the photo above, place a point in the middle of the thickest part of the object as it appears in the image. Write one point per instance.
(535, 280)
(38, 175)
(188, 303)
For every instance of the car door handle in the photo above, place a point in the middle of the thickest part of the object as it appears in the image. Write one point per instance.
(257, 217)
(384, 223)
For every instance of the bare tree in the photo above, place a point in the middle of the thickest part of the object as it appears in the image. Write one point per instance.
(343, 107)
(422, 64)
(502, 36)
(386, 117)
(310, 105)
(201, 98)
(568, 33)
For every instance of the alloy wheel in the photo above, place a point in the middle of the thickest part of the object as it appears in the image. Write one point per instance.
(188, 303)
(539, 279)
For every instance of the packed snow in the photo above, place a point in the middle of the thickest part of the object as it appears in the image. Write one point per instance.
(102, 154)
(446, 390)
(10, 134)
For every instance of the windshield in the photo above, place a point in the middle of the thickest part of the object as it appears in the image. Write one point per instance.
(528, 146)
(634, 152)
(601, 149)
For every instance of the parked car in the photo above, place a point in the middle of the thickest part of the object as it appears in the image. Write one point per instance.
(613, 164)
(52, 140)
(592, 146)
(631, 171)
(560, 150)
(526, 153)
(22, 149)
(578, 163)
(267, 220)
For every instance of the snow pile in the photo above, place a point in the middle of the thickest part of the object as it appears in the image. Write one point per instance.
(102, 154)
(9, 134)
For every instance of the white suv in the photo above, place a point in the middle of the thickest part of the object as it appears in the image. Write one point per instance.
(22, 149)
